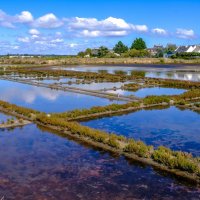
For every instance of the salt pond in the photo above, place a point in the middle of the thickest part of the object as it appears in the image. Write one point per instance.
(171, 127)
(36, 164)
(4, 117)
(47, 100)
(98, 86)
(143, 92)
(180, 72)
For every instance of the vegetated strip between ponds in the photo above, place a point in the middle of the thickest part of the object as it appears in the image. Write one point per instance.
(176, 162)
(147, 102)
(153, 82)
(14, 123)
(76, 90)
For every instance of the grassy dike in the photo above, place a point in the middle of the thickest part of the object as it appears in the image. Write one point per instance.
(157, 82)
(93, 61)
(148, 102)
(179, 163)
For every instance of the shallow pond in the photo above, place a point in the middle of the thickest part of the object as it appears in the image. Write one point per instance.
(187, 76)
(181, 72)
(60, 80)
(4, 117)
(171, 127)
(143, 92)
(47, 100)
(98, 86)
(39, 165)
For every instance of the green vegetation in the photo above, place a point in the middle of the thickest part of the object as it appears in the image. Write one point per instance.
(95, 110)
(120, 48)
(102, 51)
(12, 108)
(156, 100)
(189, 95)
(176, 160)
(186, 55)
(173, 83)
(136, 53)
(97, 77)
(138, 74)
(138, 44)
(161, 156)
(139, 148)
(147, 101)
(166, 157)
(138, 49)
(132, 87)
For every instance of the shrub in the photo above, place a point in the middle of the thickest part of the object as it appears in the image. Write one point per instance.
(156, 100)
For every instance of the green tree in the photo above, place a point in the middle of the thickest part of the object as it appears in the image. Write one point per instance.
(136, 53)
(138, 44)
(170, 48)
(159, 53)
(120, 48)
(81, 54)
(102, 51)
(88, 51)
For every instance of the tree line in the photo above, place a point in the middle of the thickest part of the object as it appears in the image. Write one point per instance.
(137, 49)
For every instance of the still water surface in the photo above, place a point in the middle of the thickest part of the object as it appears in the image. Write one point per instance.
(171, 127)
(47, 100)
(158, 91)
(180, 72)
(36, 164)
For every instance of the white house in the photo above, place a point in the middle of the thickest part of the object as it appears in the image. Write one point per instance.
(188, 49)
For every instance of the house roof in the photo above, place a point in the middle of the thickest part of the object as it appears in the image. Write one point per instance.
(190, 48)
(197, 49)
(182, 49)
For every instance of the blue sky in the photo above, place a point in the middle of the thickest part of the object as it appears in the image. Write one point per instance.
(66, 27)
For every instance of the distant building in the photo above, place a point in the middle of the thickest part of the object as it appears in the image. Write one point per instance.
(94, 52)
(155, 50)
(188, 49)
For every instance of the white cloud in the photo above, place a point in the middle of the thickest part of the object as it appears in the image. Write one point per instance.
(48, 21)
(185, 33)
(15, 47)
(87, 33)
(140, 28)
(159, 31)
(24, 39)
(72, 45)
(5, 20)
(58, 34)
(67, 29)
(58, 40)
(24, 17)
(34, 36)
(116, 23)
(34, 32)
(116, 33)
(91, 27)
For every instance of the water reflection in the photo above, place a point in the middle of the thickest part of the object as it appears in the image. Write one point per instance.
(4, 117)
(47, 100)
(99, 86)
(175, 75)
(40, 165)
(180, 72)
(148, 91)
(170, 127)
(60, 80)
